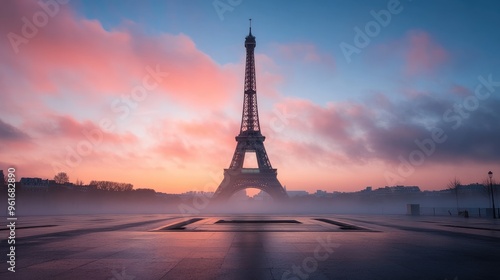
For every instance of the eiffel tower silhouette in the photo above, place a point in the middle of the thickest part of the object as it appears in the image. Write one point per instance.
(250, 139)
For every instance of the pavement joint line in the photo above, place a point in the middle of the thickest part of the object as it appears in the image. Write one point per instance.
(468, 227)
(181, 225)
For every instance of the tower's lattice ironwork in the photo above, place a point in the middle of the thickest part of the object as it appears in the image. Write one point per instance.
(250, 139)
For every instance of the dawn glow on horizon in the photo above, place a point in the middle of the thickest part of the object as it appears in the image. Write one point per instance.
(350, 93)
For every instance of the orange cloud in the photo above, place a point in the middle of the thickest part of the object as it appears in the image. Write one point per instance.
(203, 142)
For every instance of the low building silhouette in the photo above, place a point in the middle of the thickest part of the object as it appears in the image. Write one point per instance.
(35, 184)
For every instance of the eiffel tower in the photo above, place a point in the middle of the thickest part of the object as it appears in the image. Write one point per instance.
(250, 139)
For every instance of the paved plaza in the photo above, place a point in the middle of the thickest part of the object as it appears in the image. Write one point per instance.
(254, 247)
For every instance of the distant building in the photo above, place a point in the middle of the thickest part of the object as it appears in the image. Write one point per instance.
(43, 185)
(321, 193)
(64, 186)
(167, 195)
(395, 190)
(2, 179)
(191, 194)
(475, 188)
(297, 193)
(262, 196)
(434, 193)
(34, 184)
(240, 196)
(367, 191)
(336, 193)
(85, 188)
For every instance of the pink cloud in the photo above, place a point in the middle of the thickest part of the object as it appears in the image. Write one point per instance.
(75, 65)
(305, 52)
(330, 134)
(380, 100)
(68, 129)
(13, 138)
(268, 76)
(176, 149)
(460, 91)
(424, 55)
(79, 55)
(63, 143)
(416, 53)
(201, 142)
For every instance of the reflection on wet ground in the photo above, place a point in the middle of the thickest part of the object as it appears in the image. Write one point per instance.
(254, 247)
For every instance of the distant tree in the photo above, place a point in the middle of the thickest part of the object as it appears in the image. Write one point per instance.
(112, 186)
(61, 178)
(145, 193)
(79, 182)
(453, 185)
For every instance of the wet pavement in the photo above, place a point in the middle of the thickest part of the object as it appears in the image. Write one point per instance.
(125, 247)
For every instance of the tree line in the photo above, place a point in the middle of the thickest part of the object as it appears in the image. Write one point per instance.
(111, 186)
(63, 178)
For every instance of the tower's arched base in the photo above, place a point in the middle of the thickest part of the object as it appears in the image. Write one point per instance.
(240, 179)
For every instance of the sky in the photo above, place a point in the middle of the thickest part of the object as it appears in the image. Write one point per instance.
(350, 93)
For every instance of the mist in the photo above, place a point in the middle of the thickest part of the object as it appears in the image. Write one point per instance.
(137, 202)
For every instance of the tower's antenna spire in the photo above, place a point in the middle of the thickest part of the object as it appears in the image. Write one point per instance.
(250, 25)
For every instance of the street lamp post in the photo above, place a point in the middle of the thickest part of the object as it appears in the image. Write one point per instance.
(490, 174)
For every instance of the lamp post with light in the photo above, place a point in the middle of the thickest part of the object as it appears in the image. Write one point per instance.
(490, 174)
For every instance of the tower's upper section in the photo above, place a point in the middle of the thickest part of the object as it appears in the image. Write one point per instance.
(250, 119)
(250, 83)
(250, 40)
